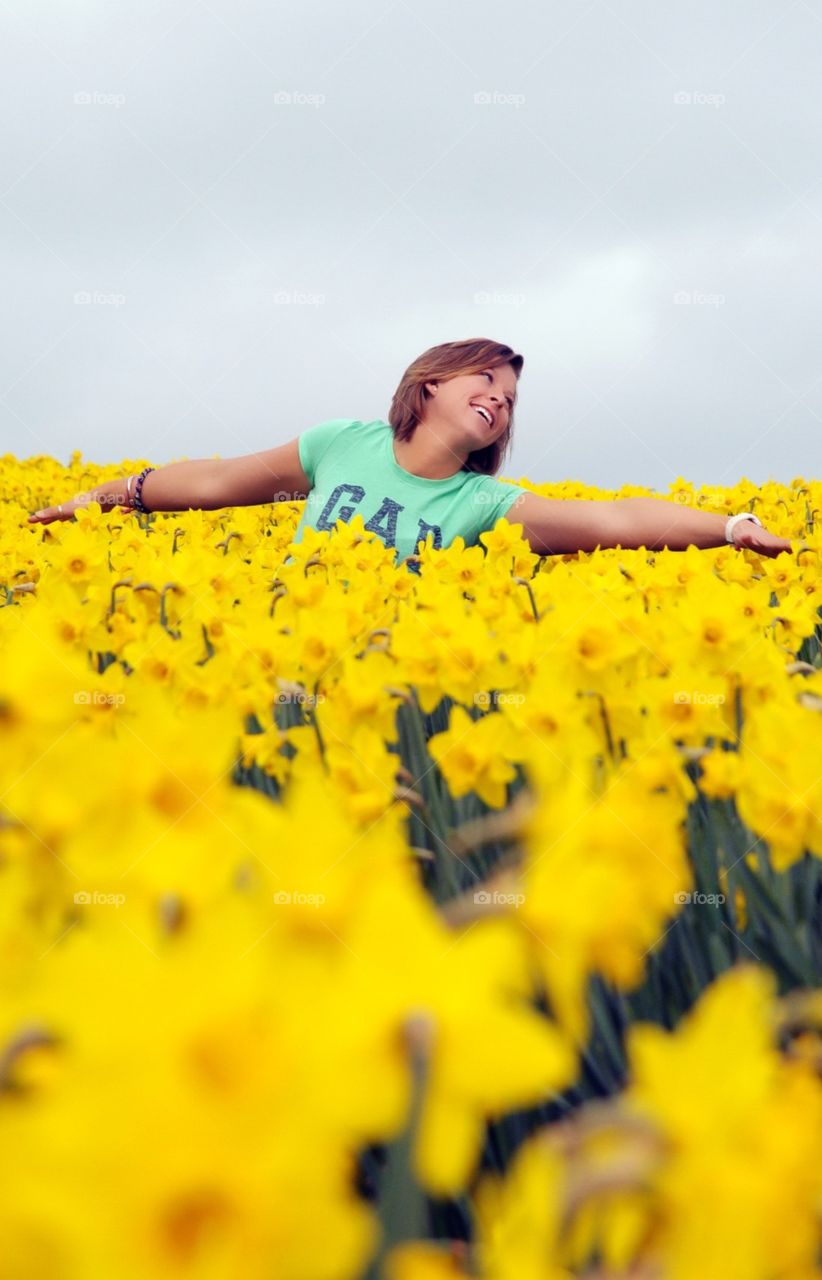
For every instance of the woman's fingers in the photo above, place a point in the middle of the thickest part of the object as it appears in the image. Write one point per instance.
(63, 511)
(773, 546)
(66, 510)
(760, 540)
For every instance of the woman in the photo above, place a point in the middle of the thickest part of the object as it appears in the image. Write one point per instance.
(429, 470)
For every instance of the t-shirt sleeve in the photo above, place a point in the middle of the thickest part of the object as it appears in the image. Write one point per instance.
(315, 441)
(497, 500)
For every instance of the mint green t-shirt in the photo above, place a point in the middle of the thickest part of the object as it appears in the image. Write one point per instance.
(353, 470)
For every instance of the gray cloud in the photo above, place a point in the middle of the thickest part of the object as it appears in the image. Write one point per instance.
(222, 223)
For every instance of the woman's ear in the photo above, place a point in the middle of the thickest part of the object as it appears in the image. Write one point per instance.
(428, 387)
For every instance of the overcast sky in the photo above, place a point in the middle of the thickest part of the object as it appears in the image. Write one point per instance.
(223, 222)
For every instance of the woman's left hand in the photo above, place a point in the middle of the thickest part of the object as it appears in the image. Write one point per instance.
(754, 537)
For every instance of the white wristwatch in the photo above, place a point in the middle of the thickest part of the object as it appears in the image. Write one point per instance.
(732, 521)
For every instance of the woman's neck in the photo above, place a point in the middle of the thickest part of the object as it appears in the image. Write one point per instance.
(427, 454)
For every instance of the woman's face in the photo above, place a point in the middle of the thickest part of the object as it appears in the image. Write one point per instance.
(460, 401)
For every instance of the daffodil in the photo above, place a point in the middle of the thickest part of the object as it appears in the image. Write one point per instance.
(471, 755)
(741, 1127)
(209, 991)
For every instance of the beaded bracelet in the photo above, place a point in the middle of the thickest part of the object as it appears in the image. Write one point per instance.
(137, 500)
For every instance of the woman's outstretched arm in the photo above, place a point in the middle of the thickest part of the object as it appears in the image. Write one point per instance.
(275, 475)
(558, 526)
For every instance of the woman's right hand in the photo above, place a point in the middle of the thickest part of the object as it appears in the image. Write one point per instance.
(65, 510)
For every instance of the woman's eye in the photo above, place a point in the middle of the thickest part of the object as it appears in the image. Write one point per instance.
(490, 378)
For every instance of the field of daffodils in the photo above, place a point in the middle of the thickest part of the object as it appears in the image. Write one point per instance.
(359, 924)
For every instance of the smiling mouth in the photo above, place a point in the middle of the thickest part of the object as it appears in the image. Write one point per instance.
(483, 413)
